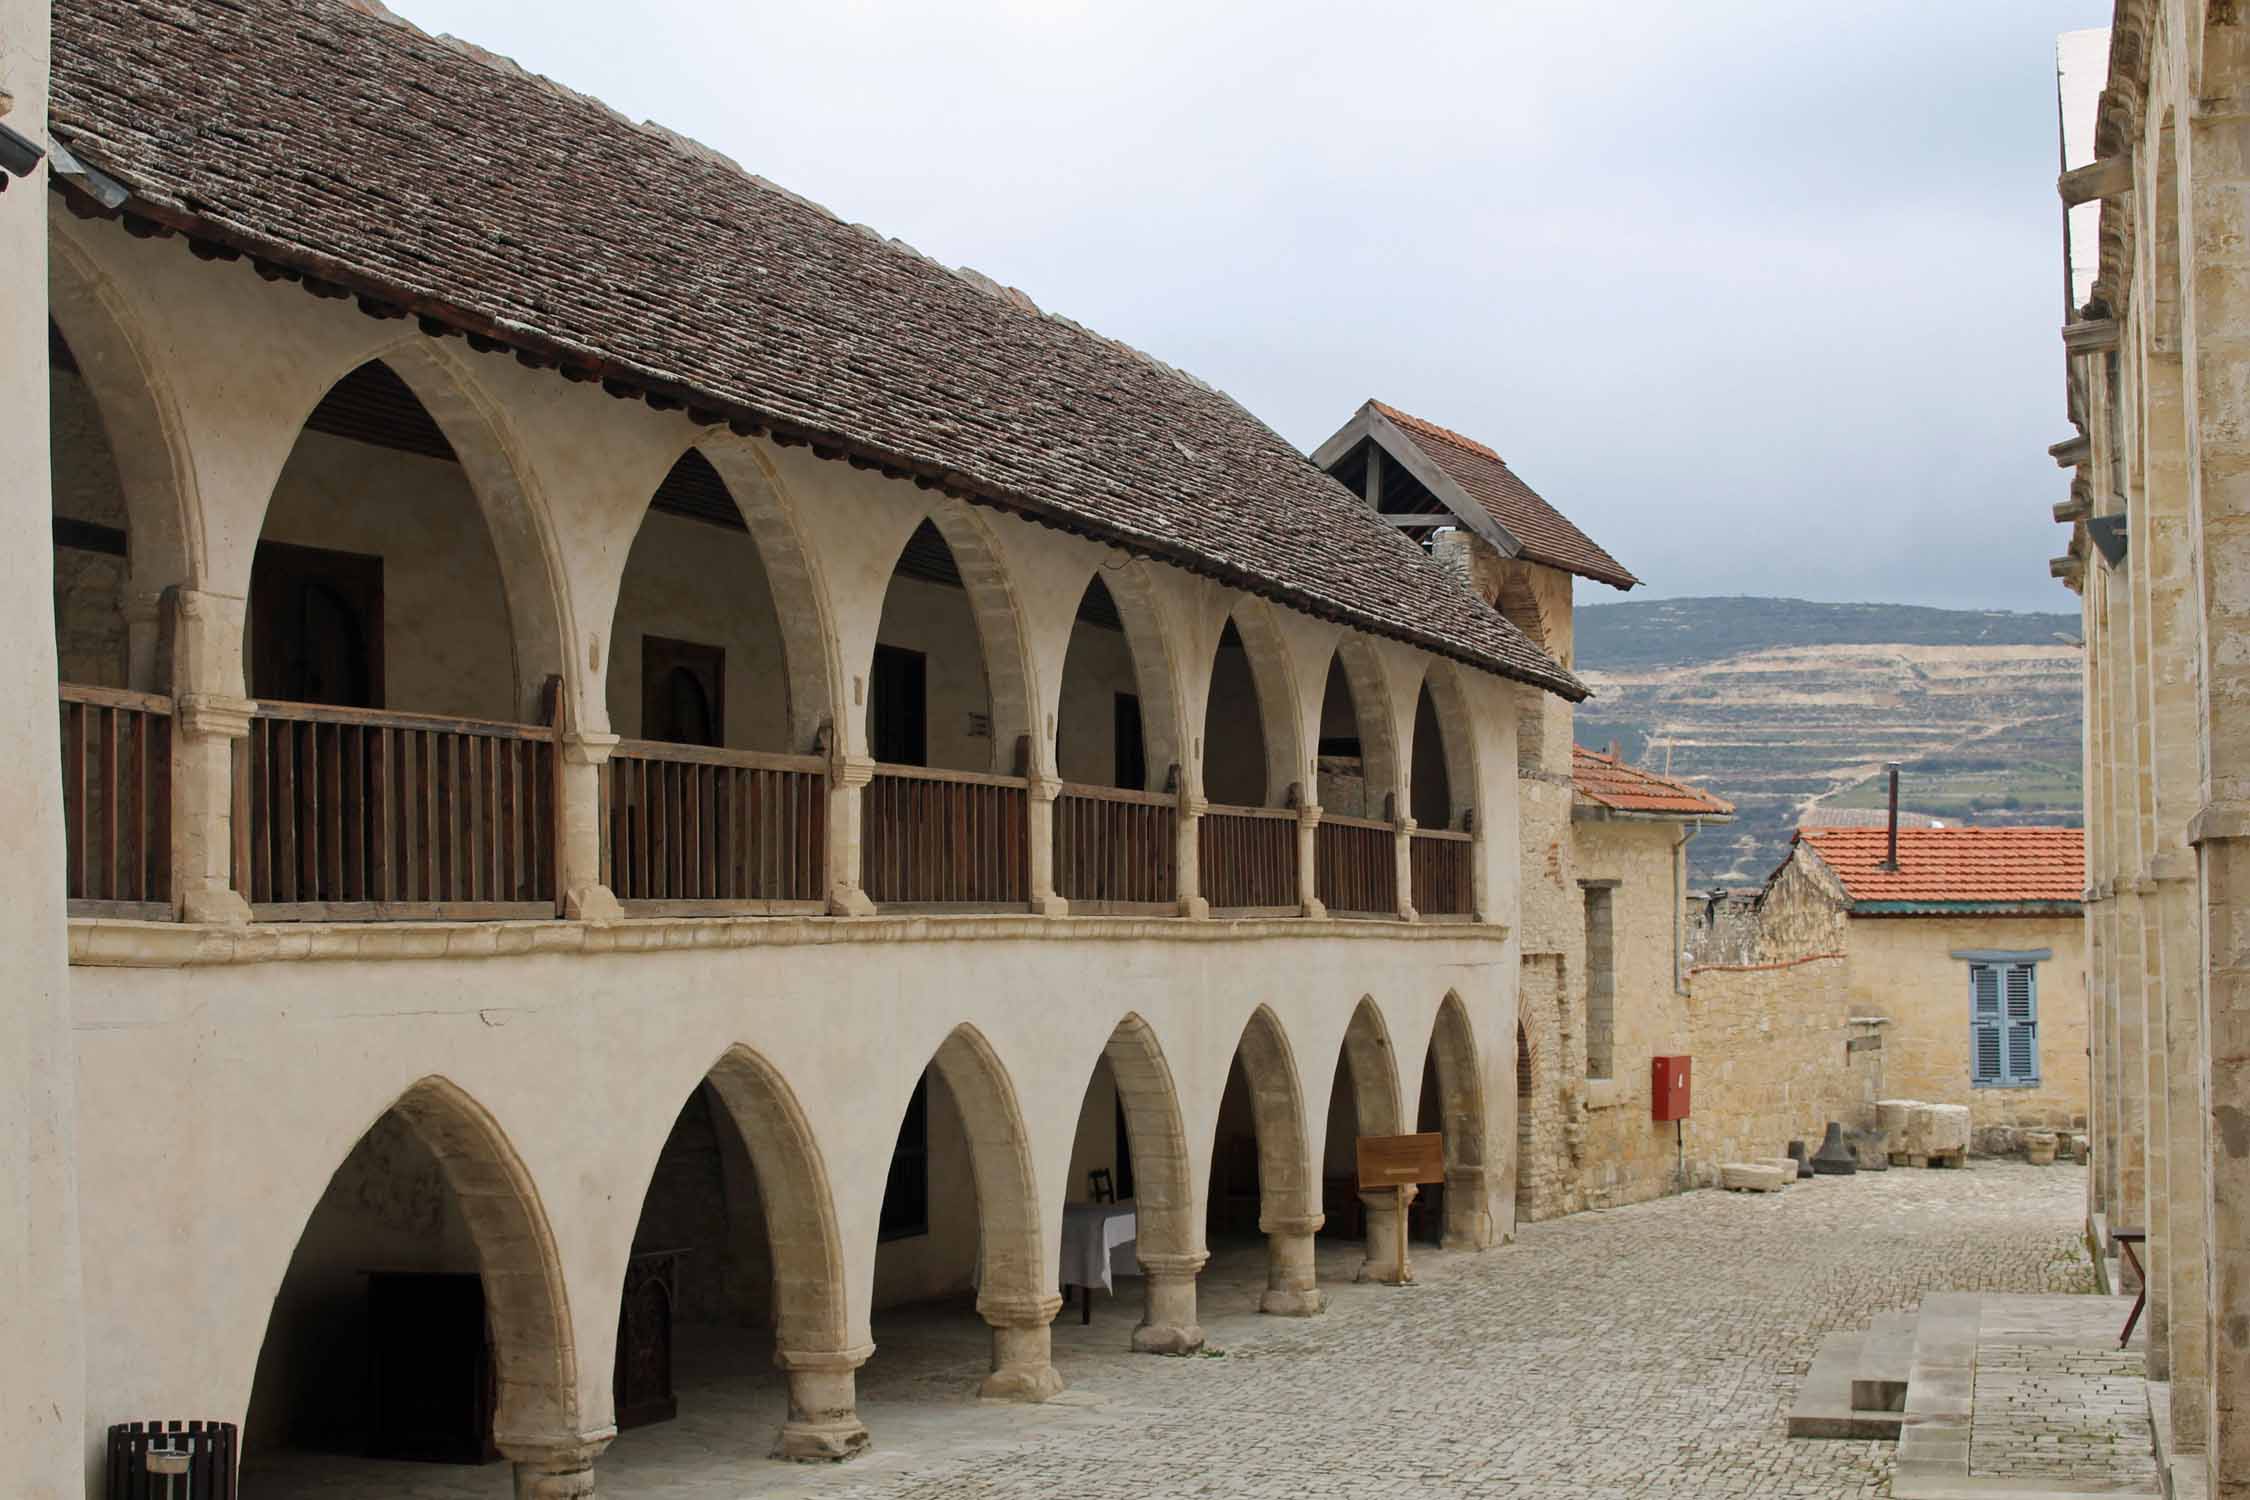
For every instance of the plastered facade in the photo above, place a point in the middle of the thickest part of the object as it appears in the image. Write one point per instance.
(533, 1098)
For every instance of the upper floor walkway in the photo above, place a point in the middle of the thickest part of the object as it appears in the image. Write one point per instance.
(360, 622)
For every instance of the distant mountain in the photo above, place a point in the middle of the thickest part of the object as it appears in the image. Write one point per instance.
(1779, 704)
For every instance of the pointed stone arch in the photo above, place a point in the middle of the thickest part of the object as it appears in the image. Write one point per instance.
(1171, 1240)
(1155, 673)
(1455, 751)
(535, 1358)
(803, 621)
(1287, 763)
(1289, 1212)
(1013, 1273)
(1000, 639)
(1460, 1078)
(810, 1294)
(1368, 687)
(1373, 1067)
(514, 511)
(165, 543)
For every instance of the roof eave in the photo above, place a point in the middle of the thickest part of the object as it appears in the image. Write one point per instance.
(1596, 811)
(1861, 908)
(327, 277)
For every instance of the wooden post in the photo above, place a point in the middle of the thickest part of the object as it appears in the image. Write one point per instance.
(1402, 1234)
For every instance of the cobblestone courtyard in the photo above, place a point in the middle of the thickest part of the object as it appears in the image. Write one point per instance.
(1646, 1351)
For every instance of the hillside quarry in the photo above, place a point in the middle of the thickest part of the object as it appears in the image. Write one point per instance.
(1787, 706)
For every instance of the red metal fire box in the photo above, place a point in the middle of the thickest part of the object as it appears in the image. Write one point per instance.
(1668, 1094)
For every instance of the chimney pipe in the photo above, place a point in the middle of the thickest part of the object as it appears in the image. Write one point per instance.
(1890, 862)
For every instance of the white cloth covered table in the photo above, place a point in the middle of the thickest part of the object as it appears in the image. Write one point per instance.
(1098, 1238)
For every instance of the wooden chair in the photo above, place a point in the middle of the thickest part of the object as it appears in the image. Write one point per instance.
(1099, 1184)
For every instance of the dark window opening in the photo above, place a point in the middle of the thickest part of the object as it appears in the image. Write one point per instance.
(683, 692)
(316, 626)
(906, 1196)
(898, 703)
(1124, 1153)
(1132, 758)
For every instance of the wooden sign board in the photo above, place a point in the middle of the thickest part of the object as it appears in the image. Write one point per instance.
(1389, 1161)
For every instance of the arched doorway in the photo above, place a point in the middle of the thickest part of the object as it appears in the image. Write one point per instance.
(1262, 1180)
(1363, 1100)
(960, 1222)
(422, 1318)
(1129, 1183)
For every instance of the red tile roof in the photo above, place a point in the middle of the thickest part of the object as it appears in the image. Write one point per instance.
(1546, 533)
(1952, 867)
(1606, 781)
(336, 144)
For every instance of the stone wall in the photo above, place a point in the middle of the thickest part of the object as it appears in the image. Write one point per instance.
(1774, 1061)
(1903, 968)
(1801, 913)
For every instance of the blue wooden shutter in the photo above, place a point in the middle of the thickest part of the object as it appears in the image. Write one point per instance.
(1987, 1062)
(2022, 998)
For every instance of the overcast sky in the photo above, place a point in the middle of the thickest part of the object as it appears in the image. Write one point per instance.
(1763, 295)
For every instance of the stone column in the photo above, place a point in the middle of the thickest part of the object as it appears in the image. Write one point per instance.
(848, 776)
(1193, 903)
(1023, 1355)
(824, 1424)
(578, 843)
(2186, 1275)
(1385, 1224)
(2156, 1063)
(557, 1469)
(1168, 1323)
(1045, 901)
(1467, 1225)
(2222, 837)
(1308, 861)
(1406, 827)
(1292, 1289)
(209, 715)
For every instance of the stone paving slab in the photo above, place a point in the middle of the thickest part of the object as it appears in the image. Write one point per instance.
(1632, 1354)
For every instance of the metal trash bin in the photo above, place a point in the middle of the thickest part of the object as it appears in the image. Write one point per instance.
(172, 1461)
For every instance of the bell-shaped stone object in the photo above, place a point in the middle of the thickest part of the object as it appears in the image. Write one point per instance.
(1797, 1155)
(1834, 1158)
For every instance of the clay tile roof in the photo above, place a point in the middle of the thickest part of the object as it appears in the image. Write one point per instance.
(1546, 533)
(331, 140)
(1606, 781)
(1949, 868)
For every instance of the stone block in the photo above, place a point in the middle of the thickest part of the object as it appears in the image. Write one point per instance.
(1948, 1135)
(1787, 1166)
(1754, 1177)
(1895, 1118)
(2039, 1147)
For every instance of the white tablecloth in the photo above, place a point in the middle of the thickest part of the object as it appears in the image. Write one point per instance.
(1098, 1238)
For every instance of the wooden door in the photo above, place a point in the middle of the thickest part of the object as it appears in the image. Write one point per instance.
(683, 692)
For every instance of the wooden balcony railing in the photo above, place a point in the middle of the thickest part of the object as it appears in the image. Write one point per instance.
(691, 830)
(117, 802)
(1248, 858)
(345, 814)
(1355, 866)
(945, 838)
(1438, 861)
(1117, 850)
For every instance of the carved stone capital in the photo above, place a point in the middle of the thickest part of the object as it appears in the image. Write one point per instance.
(1175, 1265)
(584, 748)
(1308, 816)
(213, 716)
(823, 1361)
(1044, 788)
(1194, 807)
(2171, 867)
(1019, 1312)
(1291, 1223)
(2219, 822)
(851, 771)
